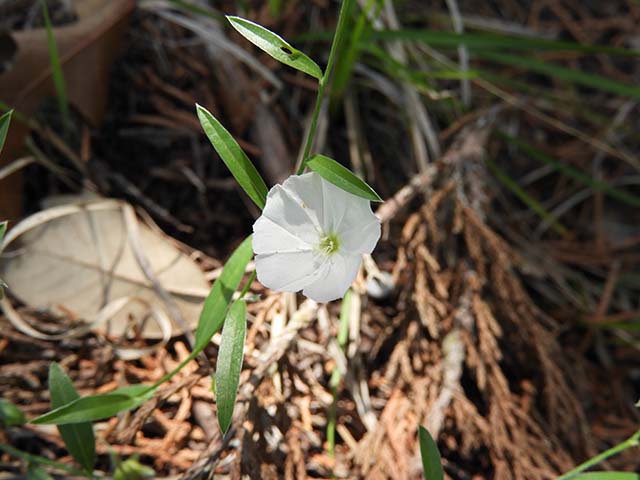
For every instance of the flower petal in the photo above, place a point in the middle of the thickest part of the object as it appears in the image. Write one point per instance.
(306, 191)
(335, 277)
(269, 237)
(285, 210)
(288, 272)
(360, 235)
(351, 218)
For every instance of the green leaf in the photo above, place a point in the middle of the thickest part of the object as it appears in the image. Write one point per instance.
(79, 437)
(56, 69)
(229, 364)
(342, 177)
(201, 10)
(4, 129)
(10, 415)
(490, 41)
(215, 306)
(275, 46)
(37, 473)
(3, 229)
(97, 407)
(35, 459)
(571, 172)
(132, 469)
(234, 157)
(566, 74)
(527, 199)
(606, 476)
(345, 314)
(431, 463)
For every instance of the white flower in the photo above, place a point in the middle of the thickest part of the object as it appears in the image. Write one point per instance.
(311, 237)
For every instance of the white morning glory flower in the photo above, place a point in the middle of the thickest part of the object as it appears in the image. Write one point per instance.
(311, 237)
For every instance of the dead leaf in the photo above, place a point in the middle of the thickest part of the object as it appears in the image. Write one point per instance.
(78, 260)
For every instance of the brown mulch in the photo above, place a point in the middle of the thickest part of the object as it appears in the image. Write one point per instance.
(480, 337)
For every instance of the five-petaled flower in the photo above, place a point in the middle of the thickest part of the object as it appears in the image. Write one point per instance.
(311, 237)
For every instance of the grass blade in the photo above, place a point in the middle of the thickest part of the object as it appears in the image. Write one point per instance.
(215, 306)
(275, 46)
(4, 127)
(342, 177)
(573, 173)
(234, 157)
(350, 52)
(229, 364)
(529, 201)
(56, 70)
(198, 9)
(345, 312)
(563, 73)
(489, 41)
(78, 438)
(336, 376)
(3, 229)
(607, 476)
(431, 463)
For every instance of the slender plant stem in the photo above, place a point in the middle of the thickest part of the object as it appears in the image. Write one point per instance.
(29, 457)
(632, 441)
(197, 351)
(247, 285)
(336, 376)
(337, 40)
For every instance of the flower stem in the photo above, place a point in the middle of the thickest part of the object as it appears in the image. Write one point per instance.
(632, 441)
(197, 351)
(337, 40)
(28, 457)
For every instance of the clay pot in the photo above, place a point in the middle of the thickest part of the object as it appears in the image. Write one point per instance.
(87, 49)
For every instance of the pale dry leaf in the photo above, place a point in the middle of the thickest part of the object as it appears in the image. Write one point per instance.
(73, 260)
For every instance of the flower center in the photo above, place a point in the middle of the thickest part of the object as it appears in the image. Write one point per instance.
(329, 244)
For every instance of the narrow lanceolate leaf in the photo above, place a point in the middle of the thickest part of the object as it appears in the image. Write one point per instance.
(490, 41)
(229, 362)
(234, 157)
(578, 77)
(3, 225)
(4, 128)
(56, 69)
(606, 476)
(275, 46)
(345, 314)
(431, 463)
(215, 306)
(97, 407)
(78, 437)
(37, 473)
(132, 469)
(574, 173)
(10, 415)
(342, 177)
